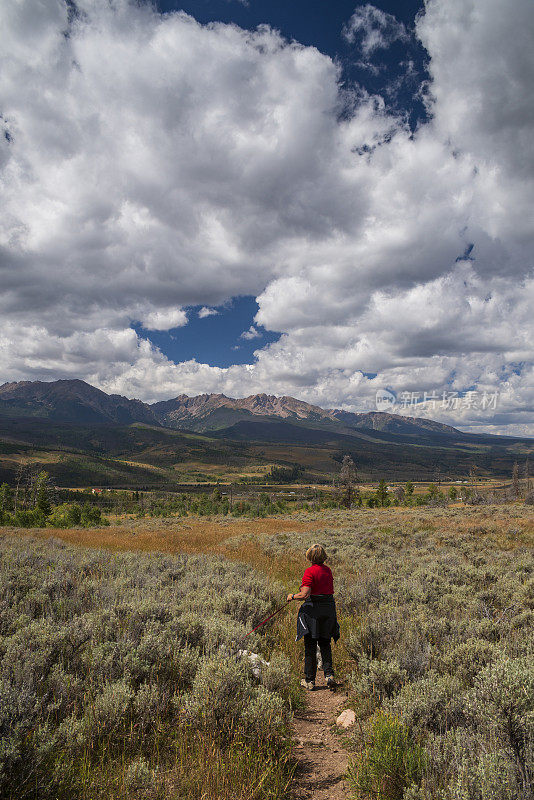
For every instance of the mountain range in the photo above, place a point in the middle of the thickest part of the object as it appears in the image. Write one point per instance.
(83, 436)
(76, 401)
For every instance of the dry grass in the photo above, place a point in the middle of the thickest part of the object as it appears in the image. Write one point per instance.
(504, 526)
(191, 536)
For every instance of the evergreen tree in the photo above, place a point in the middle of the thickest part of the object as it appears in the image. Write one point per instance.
(433, 491)
(382, 494)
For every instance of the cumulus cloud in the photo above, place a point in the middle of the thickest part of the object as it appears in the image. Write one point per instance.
(374, 29)
(252, 333)
(207, 312)
(149, 163)
(164, 319)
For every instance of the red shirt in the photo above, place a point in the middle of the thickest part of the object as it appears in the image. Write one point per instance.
(319, 578)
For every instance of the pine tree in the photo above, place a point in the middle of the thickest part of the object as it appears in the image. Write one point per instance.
(382, 493)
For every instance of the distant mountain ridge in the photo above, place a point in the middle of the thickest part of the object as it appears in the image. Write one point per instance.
(72, 401)
(207, 412)
(215, 411)
(82, 436)
(75, 401)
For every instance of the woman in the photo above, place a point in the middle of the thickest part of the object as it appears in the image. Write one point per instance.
(317, 620)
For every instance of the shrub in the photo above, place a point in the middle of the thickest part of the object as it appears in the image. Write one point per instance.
(139, 776)
(434, 703)
(263, 719)
(467, 659)
(226, 700)
(502, 704)
(378, 678)
(390, 762)
(33, 518)
(276, 675)
(94, 648)
(460, 767)
(221, 690)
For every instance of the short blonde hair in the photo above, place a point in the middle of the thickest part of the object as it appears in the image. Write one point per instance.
(316, 554)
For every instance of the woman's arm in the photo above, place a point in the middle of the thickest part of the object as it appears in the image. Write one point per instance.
(305, 592)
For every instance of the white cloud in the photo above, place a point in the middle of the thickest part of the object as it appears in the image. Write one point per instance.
(252, 333)
(164, 319)
(375, 29)
(152, 163)
(207, 312)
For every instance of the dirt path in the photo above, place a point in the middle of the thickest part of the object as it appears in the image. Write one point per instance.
(319, 751)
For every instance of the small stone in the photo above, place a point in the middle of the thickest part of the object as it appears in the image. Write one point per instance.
(346, 718)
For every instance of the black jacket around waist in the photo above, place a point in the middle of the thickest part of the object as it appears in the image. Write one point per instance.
(317, 617)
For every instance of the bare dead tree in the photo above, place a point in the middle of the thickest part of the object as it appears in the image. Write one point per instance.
(473, 472)
(526, 473)
(18, 482)
(516, 488)
(347, 480)
(399, 494)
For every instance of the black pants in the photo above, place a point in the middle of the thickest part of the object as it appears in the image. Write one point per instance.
(310, 657)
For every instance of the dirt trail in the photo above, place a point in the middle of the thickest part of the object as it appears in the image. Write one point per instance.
(319, 751)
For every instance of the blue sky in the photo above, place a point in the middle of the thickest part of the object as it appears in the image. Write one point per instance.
(319, 199)
(224, 335)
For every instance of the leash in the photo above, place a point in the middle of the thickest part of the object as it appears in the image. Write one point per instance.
(278, 610)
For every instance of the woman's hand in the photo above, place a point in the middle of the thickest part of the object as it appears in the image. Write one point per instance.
(305, 592)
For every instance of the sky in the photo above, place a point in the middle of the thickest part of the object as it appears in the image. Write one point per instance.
(329, 200)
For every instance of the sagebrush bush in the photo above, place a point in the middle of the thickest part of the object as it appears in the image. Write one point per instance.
(276, 675)
(502, 703)
(378, 678)
(226, 700)
(466, 659)
(139, 776)
(434, 703)
(100, 654)
(460, 766)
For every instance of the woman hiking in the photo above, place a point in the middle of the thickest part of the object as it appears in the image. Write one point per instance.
(317, 620)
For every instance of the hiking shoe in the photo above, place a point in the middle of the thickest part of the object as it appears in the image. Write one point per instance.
(309, 685)
(331, 682)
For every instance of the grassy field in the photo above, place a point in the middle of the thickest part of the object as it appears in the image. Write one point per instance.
(436, 608)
